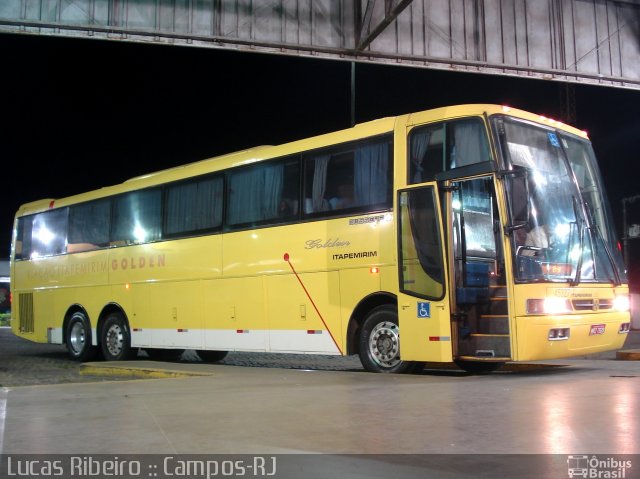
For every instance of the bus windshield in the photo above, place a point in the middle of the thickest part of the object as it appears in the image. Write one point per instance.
(564, 231)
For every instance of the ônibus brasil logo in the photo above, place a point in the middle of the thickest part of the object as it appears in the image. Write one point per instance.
(597, 467)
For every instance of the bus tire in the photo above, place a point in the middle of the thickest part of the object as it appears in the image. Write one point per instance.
(115, 338)
(379, 340)
(78, 338)
(209, 356)
(478, 367)
(164, 354)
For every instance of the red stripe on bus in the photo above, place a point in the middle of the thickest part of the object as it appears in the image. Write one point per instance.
(287, 259)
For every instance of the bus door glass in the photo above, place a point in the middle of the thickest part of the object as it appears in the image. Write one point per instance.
(480, 320)
(423, 309)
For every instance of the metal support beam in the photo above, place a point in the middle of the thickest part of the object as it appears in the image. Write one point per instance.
(391, 10)
(594, 42)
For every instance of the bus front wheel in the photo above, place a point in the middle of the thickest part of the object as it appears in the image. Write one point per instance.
(78, 338)
(380, 342)
(115, 338)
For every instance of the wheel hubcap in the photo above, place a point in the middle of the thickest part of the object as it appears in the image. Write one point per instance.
(115, 340)
(384, 344)
(77, 338)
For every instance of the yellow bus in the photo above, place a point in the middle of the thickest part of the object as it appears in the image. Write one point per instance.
(474, 234)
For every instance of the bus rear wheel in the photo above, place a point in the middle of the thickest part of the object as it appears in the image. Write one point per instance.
(78, 338)
(380, 342)
(209, 356)
(115, 338)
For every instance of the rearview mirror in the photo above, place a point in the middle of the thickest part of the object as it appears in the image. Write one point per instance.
(518, 192)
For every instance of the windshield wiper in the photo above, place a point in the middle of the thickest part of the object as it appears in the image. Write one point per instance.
(581, 227)
(607, 249)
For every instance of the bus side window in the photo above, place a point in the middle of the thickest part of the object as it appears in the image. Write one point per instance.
(137, 217)
(443, 146)
(194, 206)
(352, 176)
(263, 193)
(22, 247)
(88, 226)
(49, 233)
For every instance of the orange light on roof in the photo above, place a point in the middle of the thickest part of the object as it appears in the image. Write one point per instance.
(374, 270)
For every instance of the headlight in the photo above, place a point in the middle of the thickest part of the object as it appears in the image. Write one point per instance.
(621, 303)
(550, 305)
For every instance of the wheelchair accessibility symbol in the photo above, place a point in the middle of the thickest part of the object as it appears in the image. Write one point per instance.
(424, 310)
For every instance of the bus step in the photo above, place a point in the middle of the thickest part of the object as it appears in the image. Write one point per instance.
(493, 324)
(498, 291)
(499, 305)
(485, 345)
(488, 359)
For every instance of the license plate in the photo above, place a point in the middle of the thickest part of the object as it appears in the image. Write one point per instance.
(596, 329)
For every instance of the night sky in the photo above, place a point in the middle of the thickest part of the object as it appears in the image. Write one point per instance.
(81, 114)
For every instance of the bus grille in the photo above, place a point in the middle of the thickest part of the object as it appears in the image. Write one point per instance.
(25, 304)
(592, 304)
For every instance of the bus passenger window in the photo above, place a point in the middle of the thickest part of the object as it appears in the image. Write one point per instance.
(137, 218)
(88, 226)
(352, 177)
(49, 233)
(22, 247)
(263, 194)
(193, 206)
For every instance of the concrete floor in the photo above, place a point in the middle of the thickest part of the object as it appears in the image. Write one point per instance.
(336, 421)
(587, 405)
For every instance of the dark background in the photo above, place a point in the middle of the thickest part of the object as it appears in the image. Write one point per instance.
(81, 114)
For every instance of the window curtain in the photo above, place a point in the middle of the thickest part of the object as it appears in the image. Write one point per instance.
(89, 223)
(194, 206)
(371, 173)
(470, 144)
(179, 213)
(254, 194)
(273, 177)
(320, 182)
(419, 144)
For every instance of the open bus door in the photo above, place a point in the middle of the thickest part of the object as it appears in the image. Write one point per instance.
(423, 306)
(478, 299)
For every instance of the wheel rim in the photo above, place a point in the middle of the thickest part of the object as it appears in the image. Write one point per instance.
(77, 338)
(384, 344)
(114, 340)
